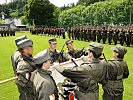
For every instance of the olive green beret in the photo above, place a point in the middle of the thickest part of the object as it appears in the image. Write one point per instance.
(52, 40)
(41, 57)
(120, 49)
(20, 38)
(96, 47)
(24, 43)
(69, 41)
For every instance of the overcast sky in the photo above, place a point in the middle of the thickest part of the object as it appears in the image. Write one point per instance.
(58, 3)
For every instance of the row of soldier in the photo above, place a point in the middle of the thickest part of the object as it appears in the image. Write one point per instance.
(4, 32)
(36, 83)
(59, 32)
(102, 33)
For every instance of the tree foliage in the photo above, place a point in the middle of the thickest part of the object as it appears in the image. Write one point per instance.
(14, 8)
(39, 11)
(100, 13)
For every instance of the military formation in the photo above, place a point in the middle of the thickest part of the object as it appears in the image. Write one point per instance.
(52, 31)
(4, 33)
(102, 34)
(35, 81)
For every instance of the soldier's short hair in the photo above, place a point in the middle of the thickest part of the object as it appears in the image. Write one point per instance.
(69, 41)
(52, 40)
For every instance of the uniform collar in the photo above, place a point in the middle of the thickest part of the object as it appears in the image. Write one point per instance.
(71, 50)
(95, 60)
(44, 72)
(52, 51)
(116, 59)
(27, 58)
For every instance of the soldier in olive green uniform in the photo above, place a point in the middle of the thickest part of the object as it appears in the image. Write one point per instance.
(72, 52)
(88, 74)
(16, 56)
(117, 70)
(24, 68)
(55, 55)
(43, 82)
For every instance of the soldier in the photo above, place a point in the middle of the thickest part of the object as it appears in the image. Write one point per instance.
(16, 56)
(88, 74)
(82, 34)
(63, 33)
(104, 35)
(2, 33)
(69, 32)
(127, 35)
(110, 35)
(121, 37)
(99, 36)
(115, 37)
(24, 68)
(72, 52)
(117, 71)
(78, 33)
(93, 35)
(55, 55)
(43, 82)
(132, 39)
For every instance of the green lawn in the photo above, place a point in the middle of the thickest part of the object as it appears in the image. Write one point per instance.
(9, 91)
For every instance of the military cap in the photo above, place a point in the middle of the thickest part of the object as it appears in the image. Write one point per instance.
(41, 57)
(20, 38)
(69, 41)
(120, 49)
(52, 40)
(24, 43)
(96, 47)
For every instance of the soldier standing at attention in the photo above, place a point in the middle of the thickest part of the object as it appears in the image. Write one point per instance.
(71, 51)
(117, 71)
(55, 55)
(88, 74)
(110, 35)
(24, 68)
(43, 82)
(128, 39)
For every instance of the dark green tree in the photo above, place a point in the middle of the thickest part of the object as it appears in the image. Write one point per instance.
(39, 12)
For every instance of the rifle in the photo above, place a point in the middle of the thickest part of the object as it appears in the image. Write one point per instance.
(104, 57)
(79, 53)
(60, 56)
(74, 63)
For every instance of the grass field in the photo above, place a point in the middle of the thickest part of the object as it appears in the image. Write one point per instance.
(9, 91)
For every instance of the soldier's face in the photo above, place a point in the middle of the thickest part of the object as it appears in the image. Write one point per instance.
(53, 45)
(28, 50)
(70, 46)
(115, 54)
(47, 64)
(90, 54)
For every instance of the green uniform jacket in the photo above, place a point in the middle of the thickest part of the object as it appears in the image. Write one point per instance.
(87, 76)
(25, 65)
(44, 84)
(57, 57)
(75, 53)
(15, 58)
(117, 70)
